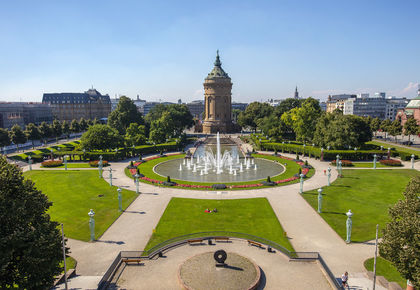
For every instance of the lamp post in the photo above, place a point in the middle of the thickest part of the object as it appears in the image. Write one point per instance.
(52, 154)
(337, 160)
(30, 162)
(340, 168)
(119, 199)
(137, 182)
(84, 154)
(412, 161)
(110, 176)
(304, 145)
(301, 183)
(382, 147)
(65, 161)
(133, 150)
(389, 153)
(349, 223)
(322, 154)
(374, 161)
(329, 175)
(100, 166)
(91, 214)
(328, 147)
(320, 200)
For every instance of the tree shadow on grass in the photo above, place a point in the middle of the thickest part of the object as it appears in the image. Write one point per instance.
(133, 211)
(111, 242)
(334, 212)
(340, 185)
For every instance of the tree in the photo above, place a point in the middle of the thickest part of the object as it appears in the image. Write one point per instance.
(401, 240)
(101, 137)
(83, 124)
(17, 135)
(74, 126)
(56, 129)
(65, 128)
(135, 134)
(375, 124)
(125, 114)
(303, 120)
(32, 133)
(179, 115)
(410, 127)
(235, 114)
(287, 105)
(395, 129)
(4, 138)
(385, 126)
(253, 113)
(274, 127)
(45, 131)
(30, 245)
(161, 128)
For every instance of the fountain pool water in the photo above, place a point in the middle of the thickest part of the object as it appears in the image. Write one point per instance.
(229, 166)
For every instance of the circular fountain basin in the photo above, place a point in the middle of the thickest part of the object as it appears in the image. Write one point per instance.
(264, 168)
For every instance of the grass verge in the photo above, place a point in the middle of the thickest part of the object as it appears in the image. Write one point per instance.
(386, 269)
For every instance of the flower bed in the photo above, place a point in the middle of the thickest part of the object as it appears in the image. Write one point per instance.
(390, 162)
(344, 163)
(52, 163)
(96, 163)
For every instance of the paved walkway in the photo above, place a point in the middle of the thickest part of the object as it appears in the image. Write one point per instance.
(307, 230)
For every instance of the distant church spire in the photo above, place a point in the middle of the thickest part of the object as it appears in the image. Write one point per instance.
(296, 93)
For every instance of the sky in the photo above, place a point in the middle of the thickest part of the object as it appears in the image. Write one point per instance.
(163, 50)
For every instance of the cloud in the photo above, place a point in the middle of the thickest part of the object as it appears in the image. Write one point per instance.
(411, 87)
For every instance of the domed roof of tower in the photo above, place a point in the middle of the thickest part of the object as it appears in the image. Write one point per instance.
(217, 71)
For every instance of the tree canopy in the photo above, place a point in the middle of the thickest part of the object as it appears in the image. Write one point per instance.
(4, 138)
(32, 132)
(401, 240)
(177, 114)
(101, 137)
(17, 135)
(252, 113)
(30, 243)
(125, 114)
(411, 127)
(74, 126)
(135, 135)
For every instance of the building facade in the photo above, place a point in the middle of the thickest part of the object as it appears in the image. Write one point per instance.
(217, 100)
(412, 110)
(24, 113)
(69, 106)
(196, 109)
(394, 104)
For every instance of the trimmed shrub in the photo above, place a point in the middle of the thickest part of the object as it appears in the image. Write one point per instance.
(52, 163)
(390, 162)
(344, 163)
(406, 156)
(96, 163)
(219, 186)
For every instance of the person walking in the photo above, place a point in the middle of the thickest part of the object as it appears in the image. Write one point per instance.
(344, 280)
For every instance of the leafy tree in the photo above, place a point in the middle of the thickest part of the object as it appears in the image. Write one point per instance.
(45, 131)
(95, 122)
(385, 126)
(83, 124)
(90, 122)
(179, 115)
(375, 124)
(161, 128)
(65, 128)
(253, 113)
(4, 138)
(395, 129)
(274, 127)
(401, 240)
(125, 114)
(287, 105)
(135, 134)
(74, 126)
(32, 133)
(411, 127)
(56, 129)
(30, 245)
(17, 135)
(101, 137)
(235, 114)
(303, 120)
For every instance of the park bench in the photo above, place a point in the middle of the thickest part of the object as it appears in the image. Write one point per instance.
(199, 241)
(132, 260)
(252, 243)
(222, 239)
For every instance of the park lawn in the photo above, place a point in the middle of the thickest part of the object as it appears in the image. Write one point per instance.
(253, 216)
(386, 269)
(399, 148)
(73, 165)
(70, 263)
(292, 168)
(368, 193)
(73, 193)
(368, 165)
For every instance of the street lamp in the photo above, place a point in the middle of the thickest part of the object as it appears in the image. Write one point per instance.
(389, 153)
(340, 168)
(329, 175)
(30, 162)
(137, 182)
(301, 183)
(349, 223)
(65, 161)
(322, 154)
(337, 160)
(374, 161)
(412, 161)
(119, 199)
(328, 147)
(91, 214)
(52, 154)
(320, 200)
(84, 154)
(100, 166)
(110, 176)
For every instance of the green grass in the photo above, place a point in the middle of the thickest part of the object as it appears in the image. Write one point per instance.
(399, 148)
(368, 193)
(292, 168)
(70, 263)
(253, 216)
(368, 165)
(386, 269)
(73, 165)
(73, 193)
